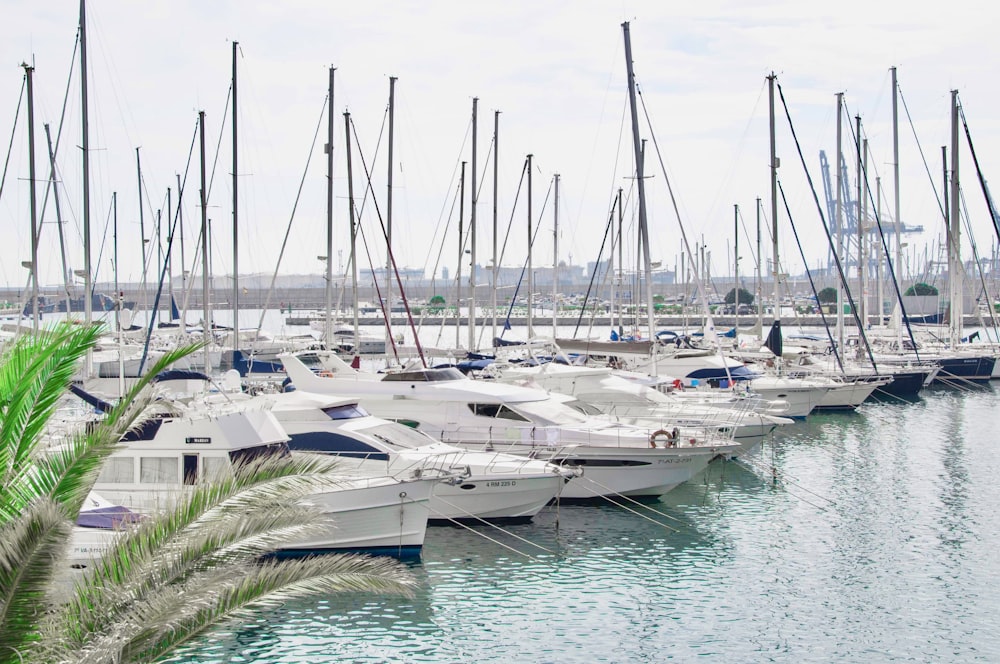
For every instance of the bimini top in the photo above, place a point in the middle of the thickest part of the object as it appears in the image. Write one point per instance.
(426, 375)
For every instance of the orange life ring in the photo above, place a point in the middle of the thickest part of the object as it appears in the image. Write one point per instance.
(325, 374)
(671, 438)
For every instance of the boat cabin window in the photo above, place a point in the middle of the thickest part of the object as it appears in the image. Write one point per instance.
(118, 470)
(190, 469)
(214, 467)
(497, 410)
(251, 454)
(346, 412)
(400, 435)
(550, 412)
(584, 407)
(335, 443)
(158, 470)
(425, 375)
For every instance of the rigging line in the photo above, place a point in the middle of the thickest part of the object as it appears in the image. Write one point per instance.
(364, 237)
(725, 182)
(437, 260)
(826, 229)
(979, 173)
(513, 209)
(387, 306)
(189, 285)
(13, 132)
(885, 243)
(920, 149)
(750, 241)
(481, 521)
(979, 266)
(291, 218)
(710, 335)
(444, 203)
(608, 230)
(55, 149)
(812, 284)
(524, 267)
(765, 468)
(181, 329)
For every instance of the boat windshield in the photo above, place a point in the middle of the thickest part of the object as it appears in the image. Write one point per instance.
(550, 411)
(346, 412)
(249, 455)
(426, 375)
(400, 435)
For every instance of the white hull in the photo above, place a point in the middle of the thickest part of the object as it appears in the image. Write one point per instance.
(611, 471)
(371, 515)
(508, 498)
(801, 398)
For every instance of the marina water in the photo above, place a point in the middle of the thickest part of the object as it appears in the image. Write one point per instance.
(864, 537)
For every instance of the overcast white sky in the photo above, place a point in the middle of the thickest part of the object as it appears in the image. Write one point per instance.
(556, 72)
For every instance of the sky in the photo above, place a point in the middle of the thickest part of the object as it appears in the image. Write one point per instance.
(556, 73)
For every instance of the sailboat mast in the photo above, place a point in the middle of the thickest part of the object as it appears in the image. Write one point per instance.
(328, 328)
(388, 217)
(354, 229)
(28, 71)
(461, 259)
(142, 219)
(621, 264)
(236, 253)
(67, 279)
(88, 304)
(114, 238)
(862, 223)
(180, 228)
(472, 228)
(555, 257)
(840, 220)
(774, 202)
(531, 281)
(736, 262)
(637, 148)
(956, 274)
(203, 192)
(760, 280)
(895, 188)
(496, 177)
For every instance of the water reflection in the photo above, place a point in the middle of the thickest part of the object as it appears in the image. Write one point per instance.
(876, 542)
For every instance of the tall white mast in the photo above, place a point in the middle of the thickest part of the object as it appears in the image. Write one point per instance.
(388, 218)
(236, 253)
(531, 281)
(88, 287)
(956, 272)
(28, 71)
(555, 257)
(472, 228)
(895, 187)
(354, 229)
(203, 200)
(328, 327)
(496, 171)
(640, 179)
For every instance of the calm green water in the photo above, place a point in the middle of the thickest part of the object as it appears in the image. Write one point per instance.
(879, 541)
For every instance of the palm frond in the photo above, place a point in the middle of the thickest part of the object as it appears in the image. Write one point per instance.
(34, 377)
(30, 547)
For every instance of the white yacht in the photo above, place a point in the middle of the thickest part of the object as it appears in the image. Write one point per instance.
(616, 459)
(632, 402)
(162, 459)
(493, 486)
